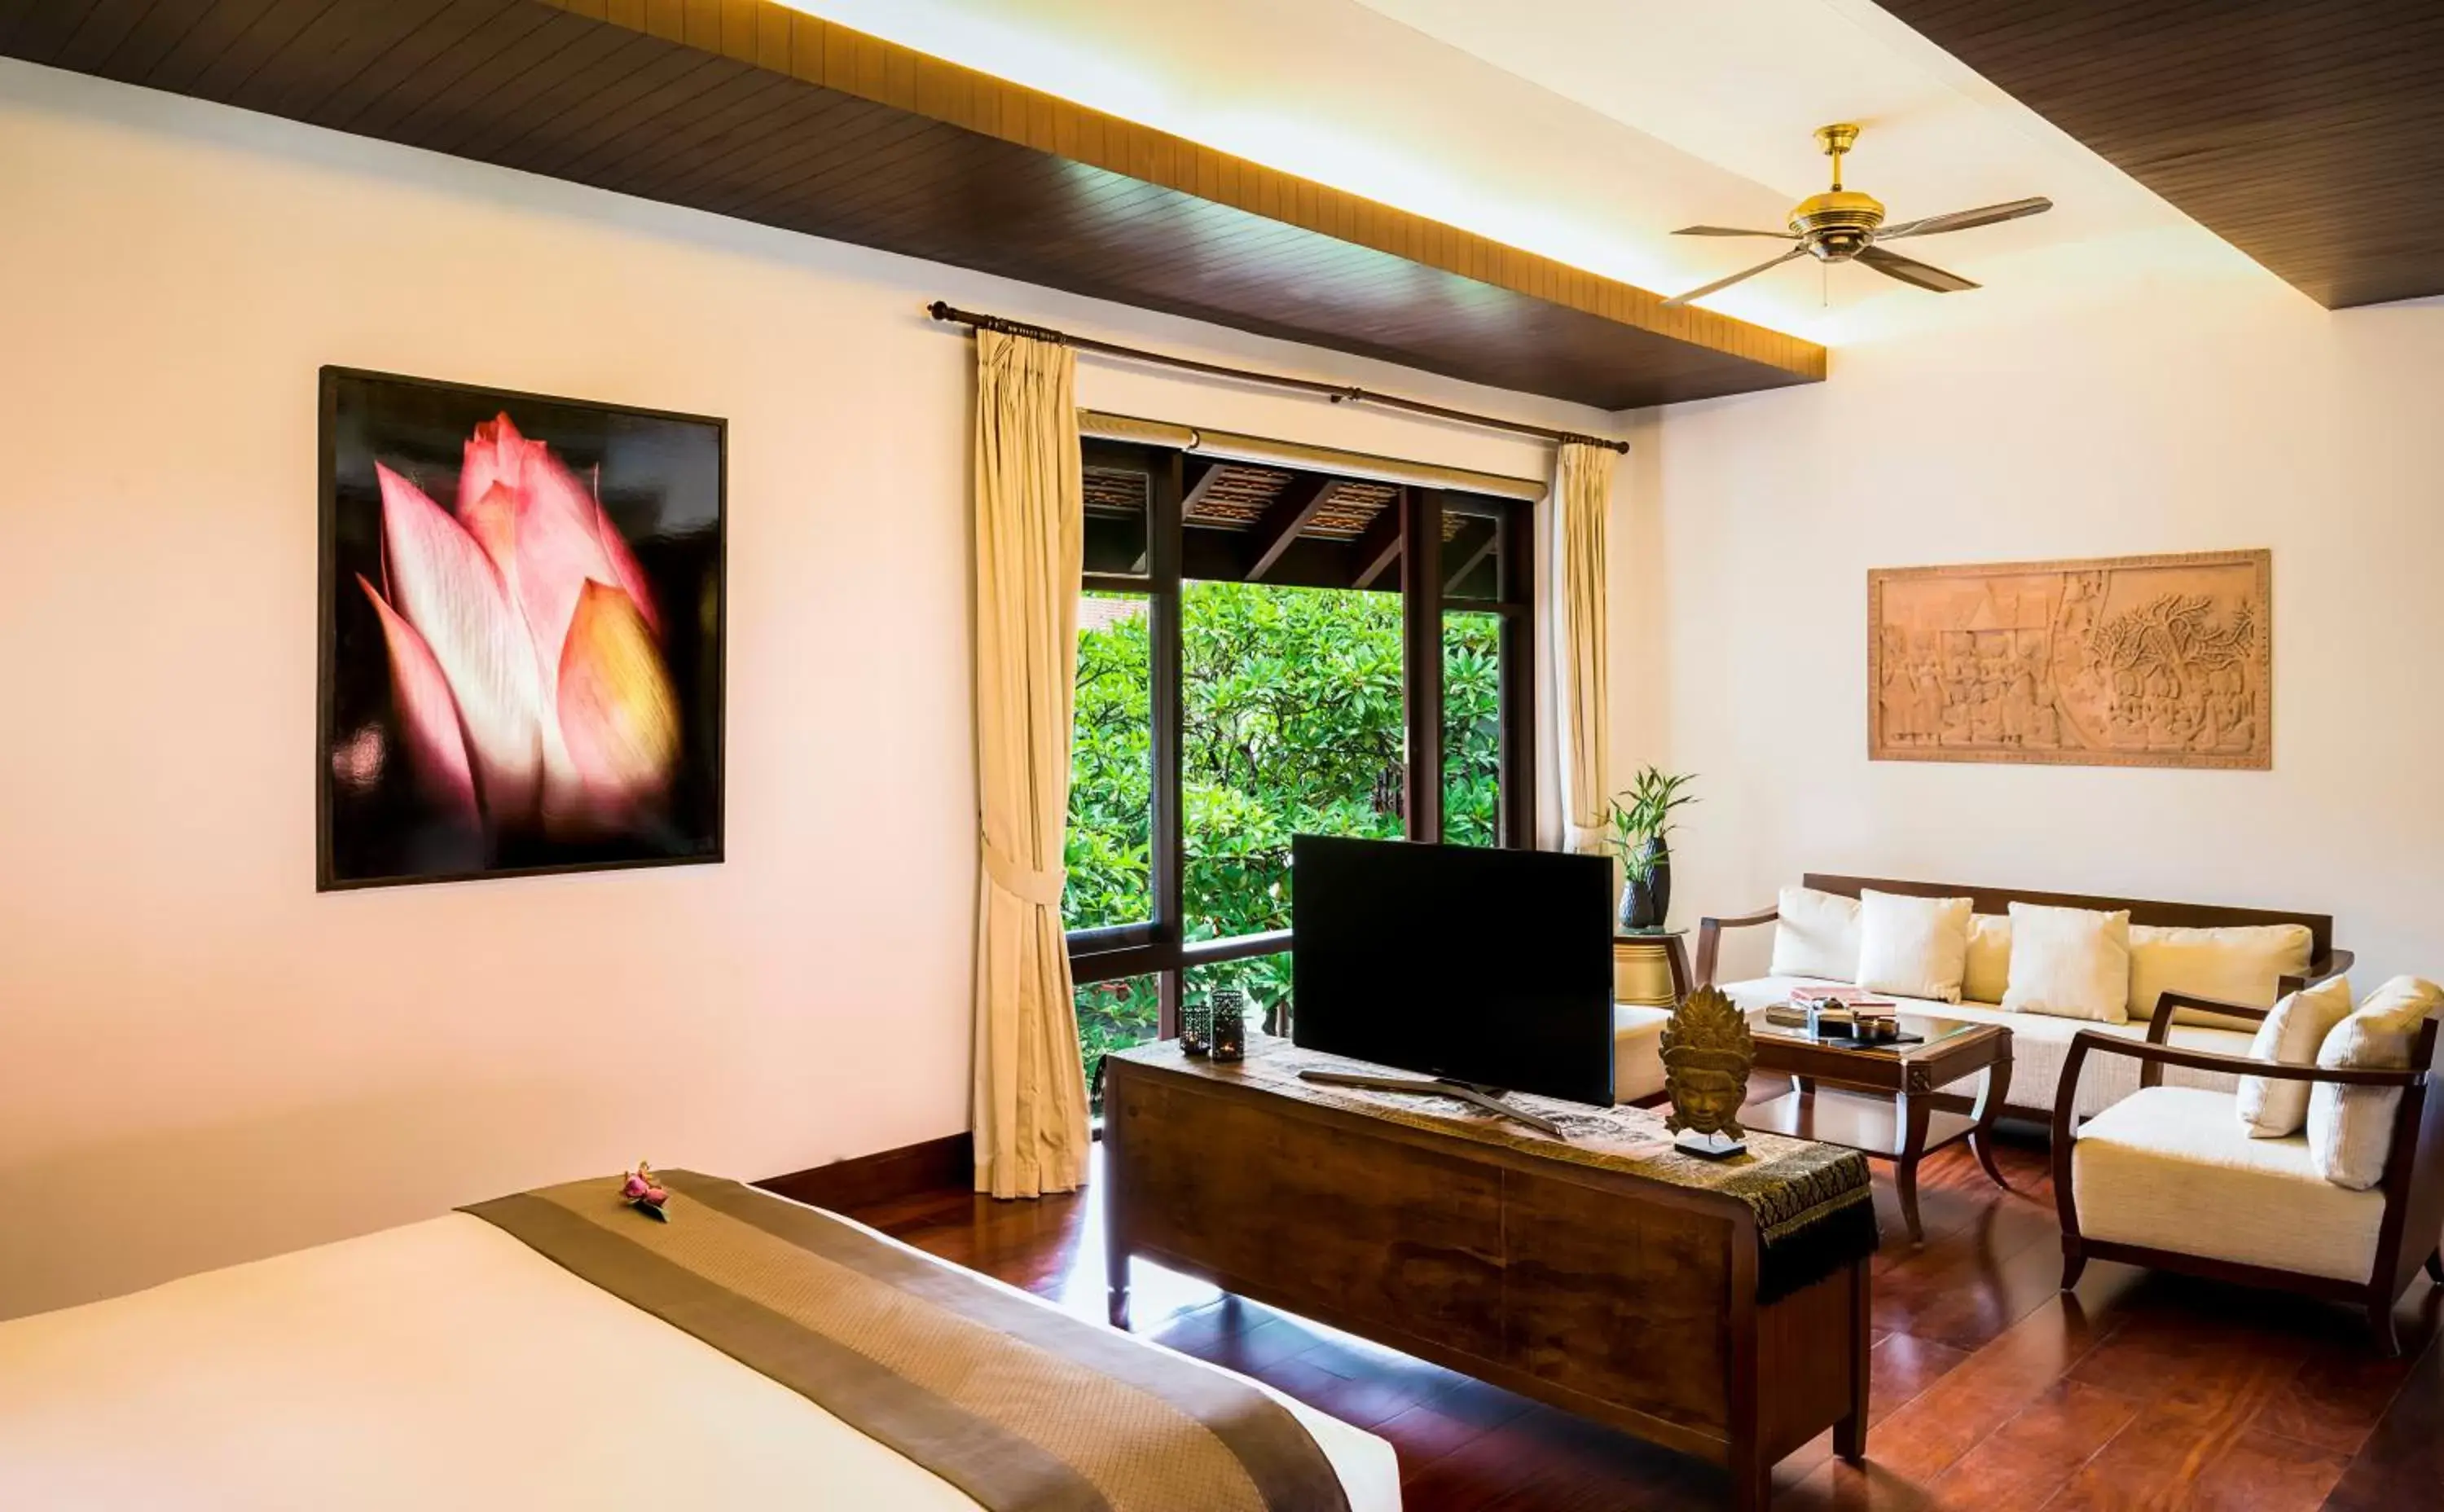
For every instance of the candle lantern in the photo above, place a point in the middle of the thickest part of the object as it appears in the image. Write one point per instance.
(1230, 1010)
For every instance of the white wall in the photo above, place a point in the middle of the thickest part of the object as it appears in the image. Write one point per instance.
(2227, 412)
(204, 1059)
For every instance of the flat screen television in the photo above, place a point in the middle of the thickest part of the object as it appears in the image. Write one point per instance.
(1487, 967)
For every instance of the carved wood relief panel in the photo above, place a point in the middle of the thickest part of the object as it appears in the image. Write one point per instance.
(2118, 661)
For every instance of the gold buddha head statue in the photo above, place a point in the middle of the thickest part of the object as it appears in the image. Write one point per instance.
(1707, 1052)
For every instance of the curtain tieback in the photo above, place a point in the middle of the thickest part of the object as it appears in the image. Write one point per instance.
(1039, 887)
(1588, 839)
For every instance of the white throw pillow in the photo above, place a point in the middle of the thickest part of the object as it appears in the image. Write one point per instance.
(2350, 1129)
(1913, 947)
(1816, 935)
(1987, 973)
(2291, 1036)
(2238, 963)
(2069, 963)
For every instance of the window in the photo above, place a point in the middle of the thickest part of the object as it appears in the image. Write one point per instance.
(1266, 980)
(1263, 653)
(1113, 1016)
(1109, 851)
(1292, 723)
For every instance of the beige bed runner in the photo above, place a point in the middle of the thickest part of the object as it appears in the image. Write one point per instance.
(1023, 1408)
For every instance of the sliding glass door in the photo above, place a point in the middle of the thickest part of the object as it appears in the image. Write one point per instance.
(1265, 652)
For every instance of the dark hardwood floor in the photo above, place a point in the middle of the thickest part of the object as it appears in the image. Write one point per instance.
(1994, 1391)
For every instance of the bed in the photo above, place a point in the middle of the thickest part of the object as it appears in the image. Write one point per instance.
(448, 1364)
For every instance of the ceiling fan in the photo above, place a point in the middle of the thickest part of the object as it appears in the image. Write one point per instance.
(1842, 226)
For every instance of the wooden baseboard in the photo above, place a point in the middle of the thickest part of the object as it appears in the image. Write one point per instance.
(931, 1165)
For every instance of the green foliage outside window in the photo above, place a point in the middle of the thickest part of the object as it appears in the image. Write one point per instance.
(1472, 728)
(1292, 723)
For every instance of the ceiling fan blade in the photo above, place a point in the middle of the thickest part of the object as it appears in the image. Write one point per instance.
(1910, 271)
(1730, 231)
(1960, 220)
(1679, 299)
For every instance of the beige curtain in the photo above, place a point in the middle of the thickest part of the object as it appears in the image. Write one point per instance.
(1582, 491)
(1030, 1093)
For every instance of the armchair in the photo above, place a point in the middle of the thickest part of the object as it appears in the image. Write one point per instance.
(2168, 1178)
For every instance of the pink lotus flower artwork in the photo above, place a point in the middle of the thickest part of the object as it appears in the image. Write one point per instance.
(531, 712)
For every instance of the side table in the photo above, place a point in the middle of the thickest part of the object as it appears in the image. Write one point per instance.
(1649, 967)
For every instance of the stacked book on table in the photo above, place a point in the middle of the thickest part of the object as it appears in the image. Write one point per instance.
(1841, 1009)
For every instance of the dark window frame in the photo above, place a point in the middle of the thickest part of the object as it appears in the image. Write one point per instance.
(1154, 947)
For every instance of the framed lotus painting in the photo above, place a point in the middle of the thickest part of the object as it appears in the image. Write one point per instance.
(521, 633)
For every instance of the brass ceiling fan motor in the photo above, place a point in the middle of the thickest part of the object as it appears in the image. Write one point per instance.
(1844, 225)
(1837, 225)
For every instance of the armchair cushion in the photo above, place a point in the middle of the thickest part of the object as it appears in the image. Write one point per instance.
(2240, 963)
(2292, 1035)
(1915, 947)
(1637, 1051)
(2350, 1129)
(2170, 1168)
(2069, 963)
(1817, 935)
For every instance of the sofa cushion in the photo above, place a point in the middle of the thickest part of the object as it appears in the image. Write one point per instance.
(2234, 964)
(1985, 972)
(2169, 1167)
(2069, 963)
(2350, 1129)
(1916, 946)
(1637, 1051)
(1816, 935)
(2039, 1047)
(2292, 1035)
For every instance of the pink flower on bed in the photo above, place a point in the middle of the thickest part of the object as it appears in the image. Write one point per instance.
(524, 646)
(644, 1193)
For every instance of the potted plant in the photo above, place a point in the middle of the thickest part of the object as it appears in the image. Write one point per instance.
(1638, 827)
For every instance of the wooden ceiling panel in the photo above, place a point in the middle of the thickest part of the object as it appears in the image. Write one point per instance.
(2311, 137)
(751, 109)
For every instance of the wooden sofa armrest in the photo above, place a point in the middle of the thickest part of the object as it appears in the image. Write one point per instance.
(2066, 1092)
(2337, 961)
(2241, 1065)
(2169, 1002)
(2160, 1028)
(1710, 938)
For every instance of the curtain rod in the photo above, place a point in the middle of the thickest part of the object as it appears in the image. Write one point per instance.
(1337, 393)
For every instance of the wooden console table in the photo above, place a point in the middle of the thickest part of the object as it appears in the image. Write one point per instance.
(1629, 1299)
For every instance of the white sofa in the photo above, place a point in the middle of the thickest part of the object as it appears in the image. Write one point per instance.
(1638, 1051)
(2040, 1043)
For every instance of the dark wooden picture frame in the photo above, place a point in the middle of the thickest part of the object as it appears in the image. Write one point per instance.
(655, 799)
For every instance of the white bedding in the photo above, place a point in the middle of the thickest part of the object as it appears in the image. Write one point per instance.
(442, 1365)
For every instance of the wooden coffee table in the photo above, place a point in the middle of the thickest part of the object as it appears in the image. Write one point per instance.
(1886, 1106)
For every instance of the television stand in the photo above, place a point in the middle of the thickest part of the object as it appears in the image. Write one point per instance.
(1491, 1099)
(1605, 1277)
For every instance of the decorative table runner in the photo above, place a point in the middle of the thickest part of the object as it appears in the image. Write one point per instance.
(1024, 1407)
(1813, 1204)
